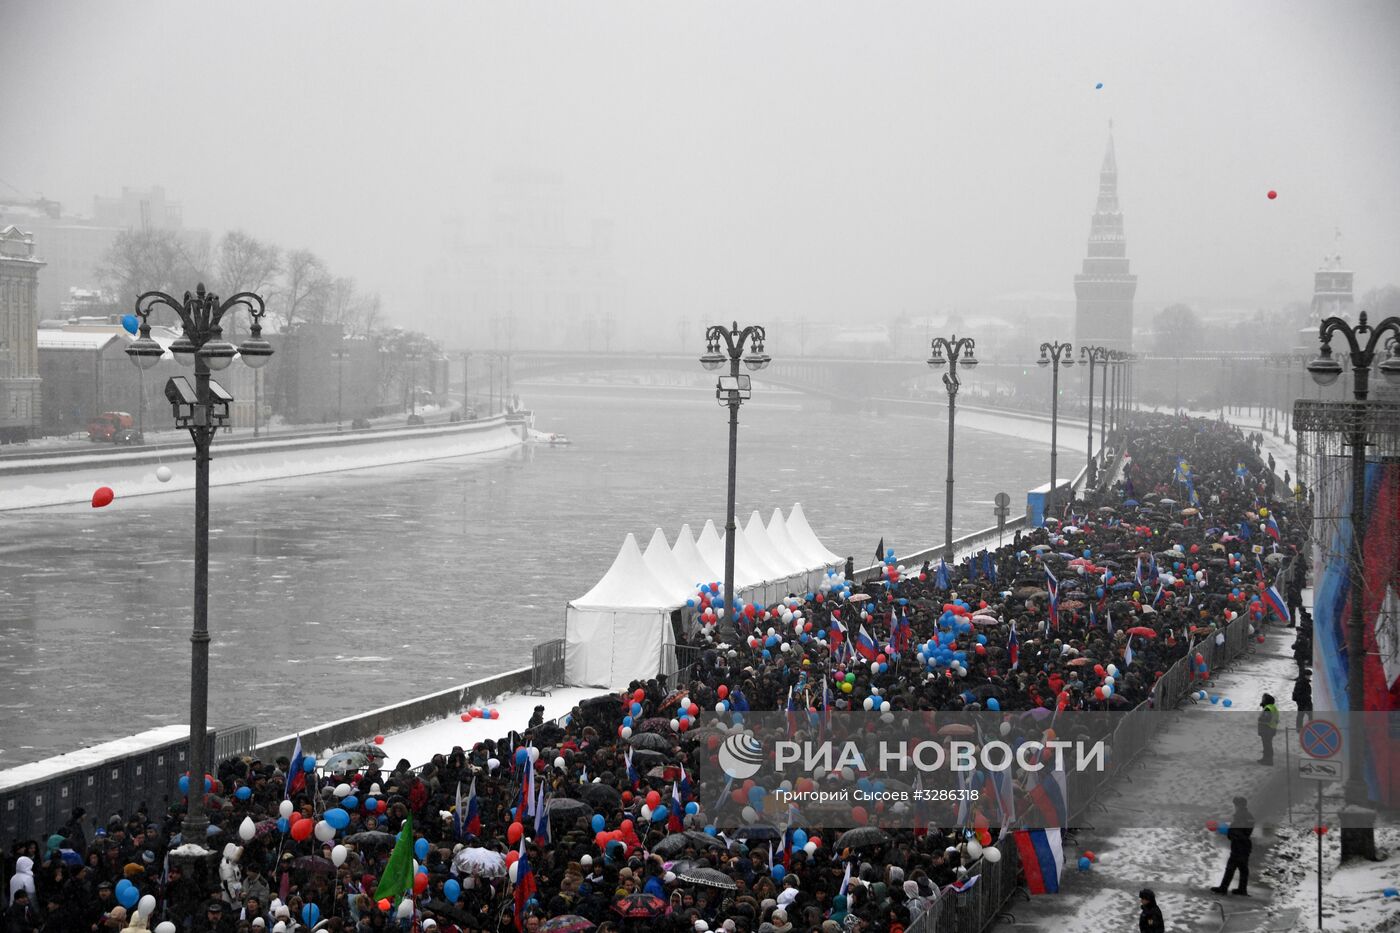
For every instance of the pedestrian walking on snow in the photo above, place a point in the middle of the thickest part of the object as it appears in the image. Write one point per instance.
(1241, 828)
(1150, 920)
(1302, 697)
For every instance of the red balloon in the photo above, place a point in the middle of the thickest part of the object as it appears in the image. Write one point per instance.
(738, 796)
(1320, 829)
(685, 723)
(638, 695)
(384, 904)
(466, 717)
(1212, 825)
(628, 828)
(653, 799)
(420, 883)
(627, 796)
(514, 832)
(601, 840)
(859, 816)
(379, 740)
(1272, 195)
(302, 829)
(102, 497)
(693, 709)
(511, 858)
(723, 691)
(383, 805)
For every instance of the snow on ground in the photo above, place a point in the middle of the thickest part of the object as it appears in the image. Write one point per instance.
(421, 744)
(1180, 863)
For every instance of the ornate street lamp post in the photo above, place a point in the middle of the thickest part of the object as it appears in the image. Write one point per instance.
(723, 344)
(1054, 354)
(340, 357)
(1092, 355)
(203, 410)
(951, 350)
(1325, 371)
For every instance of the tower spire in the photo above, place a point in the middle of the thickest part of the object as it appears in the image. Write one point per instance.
(1105, 288)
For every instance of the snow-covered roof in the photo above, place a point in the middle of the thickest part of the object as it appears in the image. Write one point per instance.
(75, 340)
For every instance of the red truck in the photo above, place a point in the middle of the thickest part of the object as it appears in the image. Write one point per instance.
(108, 425)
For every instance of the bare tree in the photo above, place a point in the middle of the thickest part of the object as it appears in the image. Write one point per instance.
(368, 311)
(1176, 328)
(306, 284)
(246, 264)
(154, 260)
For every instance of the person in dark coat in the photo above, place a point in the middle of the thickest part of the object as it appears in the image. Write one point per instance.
(1302, 696)
(1241, 828)
(1150, 920)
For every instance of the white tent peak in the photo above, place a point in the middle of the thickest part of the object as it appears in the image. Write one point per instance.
(780, 559)
(806, 539)
(664, 567)
(628, 583)
(691, 561)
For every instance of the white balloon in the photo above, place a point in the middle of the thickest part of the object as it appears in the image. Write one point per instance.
(246, 829)
(324, 831)
(406, 907)
(559, 763)
(750, 814)
(646, 812)
(338, 855)
(492, 764)
(163, 474)
(284, 809)
(1005, 728)
(868, 703)
(810, 848)
(229, 850)
(146, 906)
(675, 727)
(514, 872)
(991, 855)
(342, 790)
(534, 754)
(719, 707)
(237, 854)
(974, 850)
(165, 926)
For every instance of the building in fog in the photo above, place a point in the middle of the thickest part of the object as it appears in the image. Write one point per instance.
(20, 399)
(1104, 288)
(139, 209)
(1332, 286)
(530, 280)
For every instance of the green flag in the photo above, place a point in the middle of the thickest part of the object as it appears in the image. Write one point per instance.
(397, 879)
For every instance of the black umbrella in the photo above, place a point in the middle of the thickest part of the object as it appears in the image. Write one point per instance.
(372, 837)
(646, 757)
(314, 863)
(601, 796)
(568, 808)
(709, 877)
(650, 740)
(676, 843)
(452, 912)
(759, 832)
(862, 837)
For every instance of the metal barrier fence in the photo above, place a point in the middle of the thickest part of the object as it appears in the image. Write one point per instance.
(687, 656)
(985, 902)
(547, 666)
(234, 741)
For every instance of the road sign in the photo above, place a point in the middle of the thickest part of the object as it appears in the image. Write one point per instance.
(1320, 739)
(1322, 769)
(1001, 500)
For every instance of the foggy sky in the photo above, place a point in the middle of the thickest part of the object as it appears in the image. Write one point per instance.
(765, 160)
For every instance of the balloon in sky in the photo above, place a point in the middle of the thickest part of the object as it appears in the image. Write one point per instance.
(1099, 86)
(163, 474)
(130, 322)
(1272, 194)
(102, 497)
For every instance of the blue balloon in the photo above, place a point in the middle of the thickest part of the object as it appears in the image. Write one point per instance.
(184, 784)
(522, 755)
(337, 818)
(130, 322)
(451, 890)
(636, 709)
(420, 849)
(1215, 699)
(243, 793)
(128, 896)
(598, 822)
(692, 808)
(371, 804)
(1390, 892)
(659, 814)
(308, 763)
(1227, 702)
(778, 872)
(350, 802)
(690, 604)
(311, 915)
(283, 825)
(992, 704)
(711, 831)
(627, 720)
(1084, 863)
(799, 838)
(123, 885)
(756, 792)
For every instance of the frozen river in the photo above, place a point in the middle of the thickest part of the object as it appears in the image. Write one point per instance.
(338, 593)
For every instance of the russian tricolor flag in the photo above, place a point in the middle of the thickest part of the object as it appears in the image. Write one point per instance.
(865, 645)
(1042, 859)
(1274, 600)
(1050, 798)
(1271, 527)
(1013, 648)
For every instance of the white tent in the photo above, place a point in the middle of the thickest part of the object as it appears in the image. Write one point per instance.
(782, 542)
(663, 566)
(697, 569)
(620, 630)
(758, 580)
(711, 547)
(789, 573)
(807, 542)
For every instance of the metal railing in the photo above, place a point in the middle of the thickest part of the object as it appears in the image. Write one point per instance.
(234, 741)
(546, 666)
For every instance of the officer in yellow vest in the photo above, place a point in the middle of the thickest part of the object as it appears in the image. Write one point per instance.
(1268, 727)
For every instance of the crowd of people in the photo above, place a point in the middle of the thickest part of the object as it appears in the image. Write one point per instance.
(1170, 546)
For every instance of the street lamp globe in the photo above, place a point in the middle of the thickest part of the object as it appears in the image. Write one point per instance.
(1068, 360)
(1044, 360)
(712, 360)
(145, 352)
(255, 352)
(968, 360)
(1325, 369)
(937, 359)
(183, 349)
(217, 354)
(757, 360)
